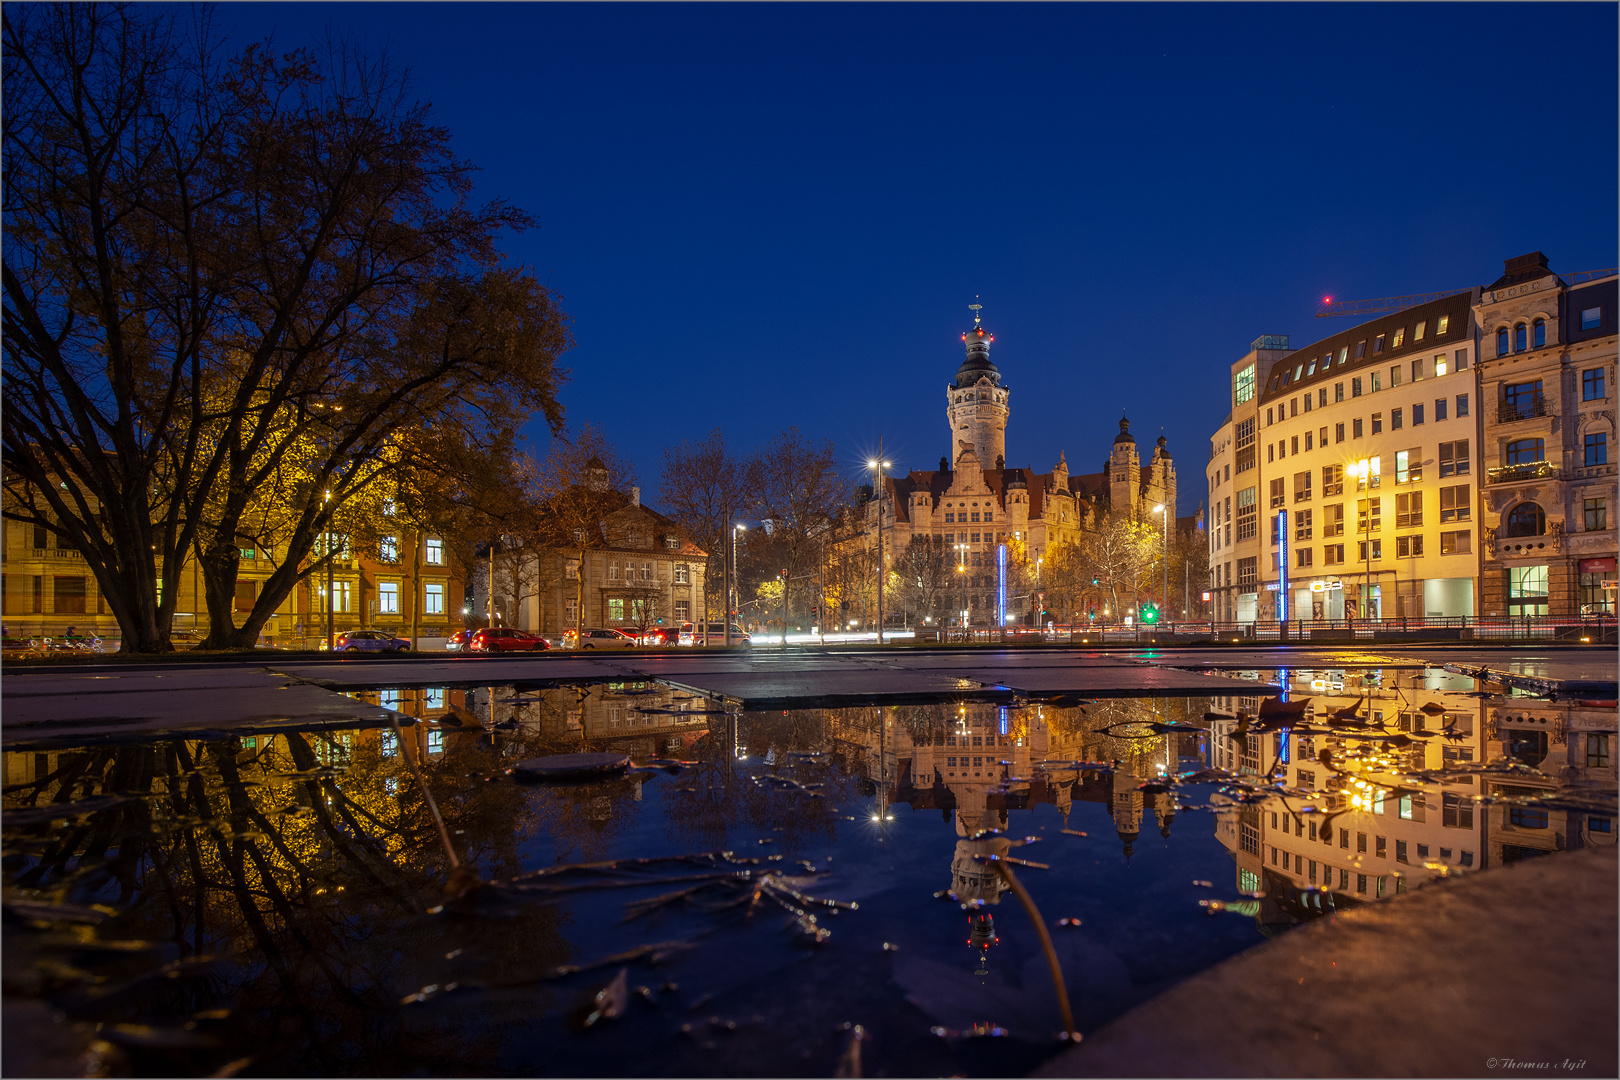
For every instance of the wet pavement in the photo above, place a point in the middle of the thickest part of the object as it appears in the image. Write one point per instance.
(766, 892)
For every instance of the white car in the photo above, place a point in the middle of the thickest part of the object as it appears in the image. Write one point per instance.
(604, 639)
(711, 634)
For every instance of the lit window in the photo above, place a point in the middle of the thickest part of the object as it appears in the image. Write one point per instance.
(388, 549)
(1400, 337)
(1591, 318)
(1439, 364)
(388, 598)
(435, 551)
(1455, 543)
(1441, 324)
(433, 598)
(1417, 333)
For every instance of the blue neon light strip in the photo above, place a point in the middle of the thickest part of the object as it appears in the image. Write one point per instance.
(1001, 587)
(1282, 565)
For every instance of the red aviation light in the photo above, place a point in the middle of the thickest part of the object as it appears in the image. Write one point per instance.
(1327, 299)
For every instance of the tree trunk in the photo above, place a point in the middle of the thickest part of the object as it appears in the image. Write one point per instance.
(416, 587)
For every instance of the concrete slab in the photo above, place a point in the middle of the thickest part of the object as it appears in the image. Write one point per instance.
(1461, 978)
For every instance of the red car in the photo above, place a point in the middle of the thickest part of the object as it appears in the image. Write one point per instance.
(505, 639)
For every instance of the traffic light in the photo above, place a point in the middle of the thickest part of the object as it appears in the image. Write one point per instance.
(1096, 581)
(1150, 614)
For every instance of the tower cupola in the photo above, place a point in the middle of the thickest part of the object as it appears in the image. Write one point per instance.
(976, 404)
(976, 365)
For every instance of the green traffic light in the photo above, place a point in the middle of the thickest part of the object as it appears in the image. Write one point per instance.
(1150, 614)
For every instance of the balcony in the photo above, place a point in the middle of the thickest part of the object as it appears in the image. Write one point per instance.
(1509, 474)
(56, 553)
(1522, 408)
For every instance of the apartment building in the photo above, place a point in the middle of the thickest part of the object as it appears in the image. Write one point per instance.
(1231, 479)
(1547, 374)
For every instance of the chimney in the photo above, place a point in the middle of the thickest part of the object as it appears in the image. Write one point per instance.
(635, 496)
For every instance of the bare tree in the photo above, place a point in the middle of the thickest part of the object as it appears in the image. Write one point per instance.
(799, 492)
(579, 484)
(926, 575)
(705, 490)
(221, 274)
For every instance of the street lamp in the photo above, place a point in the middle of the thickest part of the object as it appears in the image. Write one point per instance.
(1164, 510)
(961, 570)
(1363, 471)
(731, 581)
(877, 464)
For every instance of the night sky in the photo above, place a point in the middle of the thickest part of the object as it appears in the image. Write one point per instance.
(763, 216)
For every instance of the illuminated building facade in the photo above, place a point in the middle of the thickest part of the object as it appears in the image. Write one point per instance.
(974, 502)
(1547, 372)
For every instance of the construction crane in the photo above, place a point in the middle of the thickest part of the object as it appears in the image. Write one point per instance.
(1383, 305)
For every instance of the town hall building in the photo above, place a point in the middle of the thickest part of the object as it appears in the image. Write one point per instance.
(974, 501)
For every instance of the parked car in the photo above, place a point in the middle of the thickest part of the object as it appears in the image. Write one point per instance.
(662, 635)
(711, 634)
(369, 641)
(457, 642)
(505, 639)
(604, 639)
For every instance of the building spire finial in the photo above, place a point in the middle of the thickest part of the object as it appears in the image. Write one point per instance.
(975, 307)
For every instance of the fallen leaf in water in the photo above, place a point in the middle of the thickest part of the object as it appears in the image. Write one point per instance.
(611, 1000)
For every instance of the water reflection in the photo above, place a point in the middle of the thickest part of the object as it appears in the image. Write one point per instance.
(278, 902)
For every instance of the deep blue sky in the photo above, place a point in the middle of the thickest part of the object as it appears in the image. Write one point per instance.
(762, 216)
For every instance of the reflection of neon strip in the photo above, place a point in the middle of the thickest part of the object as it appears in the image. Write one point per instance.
(1282, 565)
(1004, 719)
(1001, 588)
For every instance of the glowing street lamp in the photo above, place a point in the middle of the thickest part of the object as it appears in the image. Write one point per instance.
(877, 465)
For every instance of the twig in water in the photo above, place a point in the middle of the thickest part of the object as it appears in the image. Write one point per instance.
(1046, 945)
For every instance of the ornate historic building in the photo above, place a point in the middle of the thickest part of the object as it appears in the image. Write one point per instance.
(1547, 370)
(974, 501)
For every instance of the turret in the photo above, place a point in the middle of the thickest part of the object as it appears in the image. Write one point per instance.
(1124, 471)
(976, 402)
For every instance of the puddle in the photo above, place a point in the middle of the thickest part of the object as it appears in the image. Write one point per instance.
(775, 893)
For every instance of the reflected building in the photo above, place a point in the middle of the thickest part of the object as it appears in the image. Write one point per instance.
(1570, 744)
(1356, 824)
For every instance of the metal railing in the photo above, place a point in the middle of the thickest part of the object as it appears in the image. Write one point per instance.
(1534, 470)
(1521, 409)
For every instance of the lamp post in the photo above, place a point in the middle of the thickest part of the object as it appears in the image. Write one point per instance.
(1363, 469)
(961, 572)
(1164, 511)
(731, 581)
(877, 464)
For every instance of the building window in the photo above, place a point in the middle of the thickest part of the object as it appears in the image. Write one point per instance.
(68, 595)
(1408, 466)
(1333, 520)
(1409, 547)
(1462, 405)
(1527, 593)
(1278, 496)
(1439, 364)
(683, 574)
(683, 611)
(433, 598)
(1302, 557)
(1526, 519)
(1374, 553)
(1524, 452)
(1302, 486)
(571, 611)
(615, 607)
(1527, 817)
(1248, 573)
(1597, 515)
(1519, 338)
(1302, 527)
(1597, 751)
(1245, 446)
(1355, 387)
(1417, 415)
(1502, 342)
(1591, 318)
(1338, 391)
(1247, 513)
(1409, 510)
(1597, 448)
(1455, 543)
(435, 551)
(1538, 333)
(248, 553)
(646, 571)
(1333, 480)
(1395, 419)
(388, 549)
(1377, 422)
(1417, 332)
(1355, 428)
(388, 598)
(1454, 458)
(246, 594)
(1245, 384)
(1338, 433)
(1417, 369)
(1439, 409)
(1592, 388)
(571, 570)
